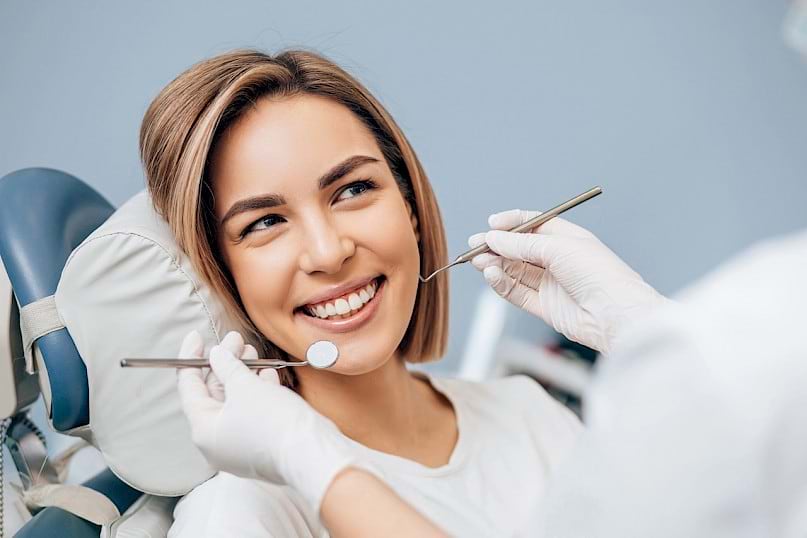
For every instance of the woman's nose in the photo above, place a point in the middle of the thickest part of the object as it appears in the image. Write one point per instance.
(325, 249)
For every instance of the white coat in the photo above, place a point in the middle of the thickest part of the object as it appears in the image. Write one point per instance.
(697, 423)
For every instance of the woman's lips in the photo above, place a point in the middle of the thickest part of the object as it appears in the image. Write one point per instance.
(353, 322)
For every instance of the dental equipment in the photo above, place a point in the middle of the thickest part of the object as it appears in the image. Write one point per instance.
(321, 354)
(526, 226)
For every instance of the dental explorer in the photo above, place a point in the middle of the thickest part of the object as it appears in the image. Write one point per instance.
(526, 226)
(320, 355)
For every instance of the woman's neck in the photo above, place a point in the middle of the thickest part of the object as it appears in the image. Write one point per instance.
(387, 409)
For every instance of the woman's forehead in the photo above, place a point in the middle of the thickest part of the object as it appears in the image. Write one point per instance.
(287, 143)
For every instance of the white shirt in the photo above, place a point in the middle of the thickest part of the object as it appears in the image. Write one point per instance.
(511, 435)
(697, 423)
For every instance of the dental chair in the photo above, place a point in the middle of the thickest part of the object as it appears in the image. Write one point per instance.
(94, 285)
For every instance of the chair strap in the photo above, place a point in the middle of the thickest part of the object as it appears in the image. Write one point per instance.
(36, 320)
(82, 501)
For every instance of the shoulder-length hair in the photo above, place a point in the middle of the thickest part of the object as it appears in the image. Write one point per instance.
(185, 121)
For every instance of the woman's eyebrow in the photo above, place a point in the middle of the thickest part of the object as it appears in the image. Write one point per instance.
(272, 200)
(344, 168)
(250, 204)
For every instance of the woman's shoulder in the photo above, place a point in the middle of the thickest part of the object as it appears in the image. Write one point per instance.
(227, 505)
(514, 389)
(519, 394)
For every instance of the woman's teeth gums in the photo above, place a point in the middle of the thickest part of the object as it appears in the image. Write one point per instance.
(343, 306)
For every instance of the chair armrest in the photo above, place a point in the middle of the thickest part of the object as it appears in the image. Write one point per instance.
(149, 517)
(53, 521)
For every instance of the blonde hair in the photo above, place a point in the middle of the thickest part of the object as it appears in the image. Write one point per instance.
(184, 122)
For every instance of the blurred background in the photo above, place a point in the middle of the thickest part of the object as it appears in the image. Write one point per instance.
(692, 114)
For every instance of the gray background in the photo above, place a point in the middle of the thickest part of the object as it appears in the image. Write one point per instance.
(692, 114)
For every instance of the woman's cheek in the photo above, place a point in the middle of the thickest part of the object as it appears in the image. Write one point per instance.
(262, 284)
(393, 233)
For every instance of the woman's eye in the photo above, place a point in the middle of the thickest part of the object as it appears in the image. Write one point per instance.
(350, 191)
(264, 223)
(355, 189)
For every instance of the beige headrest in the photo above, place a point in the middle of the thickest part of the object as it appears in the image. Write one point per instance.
(129, 291)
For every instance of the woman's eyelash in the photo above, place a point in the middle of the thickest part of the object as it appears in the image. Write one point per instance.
(249, 229)
(367, 183)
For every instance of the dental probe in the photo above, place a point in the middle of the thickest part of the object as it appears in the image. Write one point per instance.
(320, 355)
(526, 226)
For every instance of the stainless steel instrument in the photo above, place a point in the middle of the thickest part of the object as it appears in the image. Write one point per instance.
(257, 364)
(321, 354)
(524, 227)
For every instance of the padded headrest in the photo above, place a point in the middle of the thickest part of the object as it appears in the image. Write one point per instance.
(17, 389)
(44, 215)
(129, 291)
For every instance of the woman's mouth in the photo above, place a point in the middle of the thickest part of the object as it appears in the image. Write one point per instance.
(347, 312)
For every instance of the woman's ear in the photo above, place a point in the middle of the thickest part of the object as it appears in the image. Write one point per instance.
(414, 220)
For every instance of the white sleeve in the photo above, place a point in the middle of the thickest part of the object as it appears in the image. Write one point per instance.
(553, 420)
(696, 425)
(227, 506)
(640, 466)
(548, 409)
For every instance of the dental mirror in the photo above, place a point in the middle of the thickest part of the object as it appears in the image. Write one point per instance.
(321, 354)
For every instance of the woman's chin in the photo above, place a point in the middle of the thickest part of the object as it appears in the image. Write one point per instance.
(355, 367)
(364, 340)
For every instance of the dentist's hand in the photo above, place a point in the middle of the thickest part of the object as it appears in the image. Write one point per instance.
(566, 276)
(252, 426)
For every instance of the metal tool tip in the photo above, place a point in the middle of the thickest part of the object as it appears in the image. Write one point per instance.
(440, 270)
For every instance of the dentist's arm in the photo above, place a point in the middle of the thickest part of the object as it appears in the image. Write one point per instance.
(251, 426)
(566, 276)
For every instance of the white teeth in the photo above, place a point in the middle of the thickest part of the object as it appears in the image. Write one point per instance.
(354, 301)
(342, 306)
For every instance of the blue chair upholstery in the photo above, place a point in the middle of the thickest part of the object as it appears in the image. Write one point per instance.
(54, 521)
(44, 215)
(57, 522)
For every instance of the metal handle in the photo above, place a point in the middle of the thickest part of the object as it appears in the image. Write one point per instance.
(534, 222)
(256, 364)
(530, 224)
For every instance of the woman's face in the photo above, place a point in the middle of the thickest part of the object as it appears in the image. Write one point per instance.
(315, 231)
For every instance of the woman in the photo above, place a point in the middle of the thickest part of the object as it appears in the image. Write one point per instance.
(303, 205)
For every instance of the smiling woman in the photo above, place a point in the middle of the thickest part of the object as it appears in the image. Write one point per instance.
(183, 139)
(329, 237)
(301, 202)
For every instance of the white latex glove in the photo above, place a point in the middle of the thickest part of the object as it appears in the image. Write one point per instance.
(566, 276)
(257, 428)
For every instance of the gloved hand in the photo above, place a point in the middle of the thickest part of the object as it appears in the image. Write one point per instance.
(255, 427)
(566, 276)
